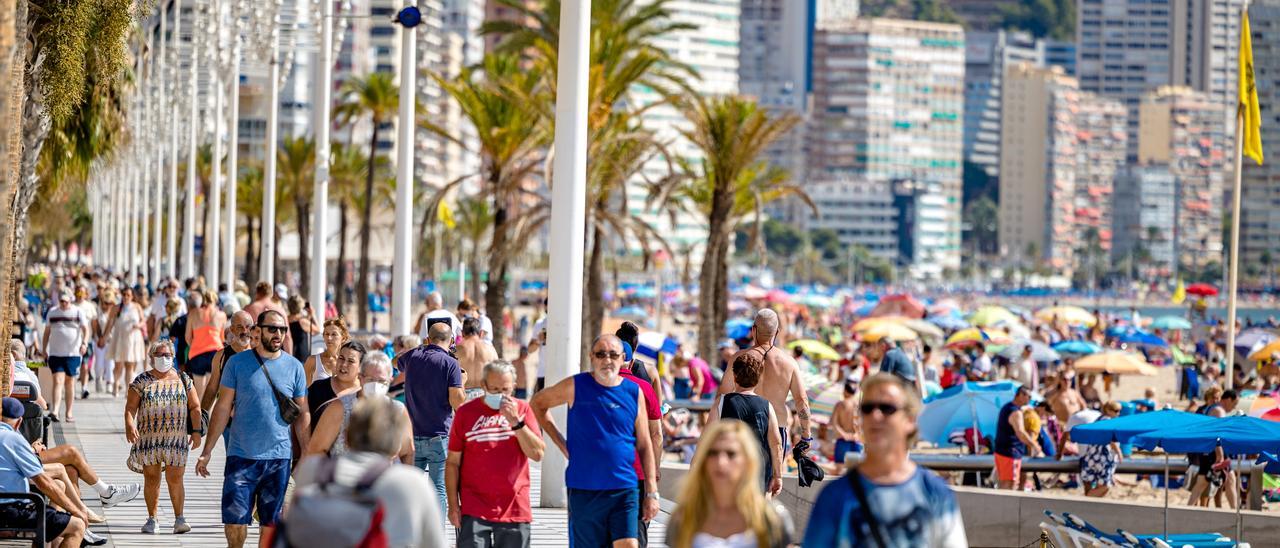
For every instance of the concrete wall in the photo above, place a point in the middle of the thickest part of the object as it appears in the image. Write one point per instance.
(1004, 518)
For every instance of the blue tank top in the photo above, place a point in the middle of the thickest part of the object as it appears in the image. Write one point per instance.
(1007, 442)
(601, 435)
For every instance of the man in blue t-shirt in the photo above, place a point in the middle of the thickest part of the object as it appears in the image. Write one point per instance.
(891, 359)
(258, 447)
(887, 500)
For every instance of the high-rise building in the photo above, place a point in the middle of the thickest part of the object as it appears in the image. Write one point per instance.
(860, 211)
(1059, 151)
(887, 101)
(834, 12)
(1182, 129)
(773, 68)
(1126, 48)
(986, 56)
(463, 47)
(1260, 187)
(1143, 219)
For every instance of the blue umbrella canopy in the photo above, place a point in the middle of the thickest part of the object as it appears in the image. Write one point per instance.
(1170, 322)
(1236, 435)
(737, 328)
(1142, 338)
(1077, 348)
(1121, 429)
(963, 406)
(1270, 462)
(948, 321)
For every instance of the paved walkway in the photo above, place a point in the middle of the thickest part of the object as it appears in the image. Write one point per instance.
(99, 432)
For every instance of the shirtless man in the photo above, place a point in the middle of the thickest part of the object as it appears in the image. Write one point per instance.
(473, 352)
(781, 376)
(1064, 400)
(845, 420)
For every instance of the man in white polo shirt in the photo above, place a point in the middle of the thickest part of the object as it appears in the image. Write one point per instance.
(66, 339)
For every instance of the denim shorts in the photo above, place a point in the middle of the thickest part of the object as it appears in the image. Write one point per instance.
(253, 482)
(64, 364)
(597, 518)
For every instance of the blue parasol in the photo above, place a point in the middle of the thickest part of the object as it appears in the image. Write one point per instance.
(972, 404)
(1236, 435)
(1077, 348)
(1121, 429)
(737, 328)
(1142, 338)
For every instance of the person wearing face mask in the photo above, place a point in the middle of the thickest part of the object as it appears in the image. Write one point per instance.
(487, 472)
(160, 444)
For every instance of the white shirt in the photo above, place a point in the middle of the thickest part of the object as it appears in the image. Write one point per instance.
(439, 313)
(1024, 371)
(23, 373)
(161, 301)
(486, 326)
(66, 331)
(1083, 416)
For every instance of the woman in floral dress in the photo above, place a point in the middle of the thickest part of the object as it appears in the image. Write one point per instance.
(162, 421)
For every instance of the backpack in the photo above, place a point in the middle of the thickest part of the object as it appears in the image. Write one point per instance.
(332, 515)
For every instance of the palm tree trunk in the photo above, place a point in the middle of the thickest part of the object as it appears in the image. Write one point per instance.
(495, 296)
(473, 269)
(250, 265)
(708, 278)
(275, 261)
(594, 317)
(304, 228)
(340, 270)
(366, 219)
(722, 292)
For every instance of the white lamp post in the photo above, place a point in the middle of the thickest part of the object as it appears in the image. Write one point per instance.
(402, 265)
(320, 195)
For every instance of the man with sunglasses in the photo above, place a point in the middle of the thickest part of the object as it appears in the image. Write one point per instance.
(259, 449)
(887, 500)
(606, 430)
(780, 378)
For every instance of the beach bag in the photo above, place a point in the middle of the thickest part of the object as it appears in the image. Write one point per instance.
(335, 516)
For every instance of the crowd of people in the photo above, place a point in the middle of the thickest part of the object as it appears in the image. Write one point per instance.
(306, 409)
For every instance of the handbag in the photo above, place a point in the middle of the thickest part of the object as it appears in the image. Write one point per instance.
(872, 522)
(289, 409)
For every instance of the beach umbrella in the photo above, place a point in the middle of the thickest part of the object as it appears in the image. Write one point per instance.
(751, 292)
(1116, 363)
(1072, 315)
(814, 300)
(944, 307)
(948, 321)
(893, 331)
(653, 343)
(815, 349)
(1202, 289)
(972, 404)
(991, 315)
(867, 323)
(1012, 328)
(1040, 352)
(900, 304)
(1142, 338)
(1253, 339)
(777, 296)
(1237, 434)
(925, 329)
(1170, 323)
(1122, 429)
(965, 338)
(633, 312)
(1077, 348)
(824, 397)
(737, 328)
(1272, 414)
(1265, 351)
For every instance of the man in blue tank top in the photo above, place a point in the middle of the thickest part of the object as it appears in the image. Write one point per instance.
(606, 428)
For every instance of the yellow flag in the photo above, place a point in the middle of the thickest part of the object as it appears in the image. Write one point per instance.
(446, 215)
(1179, 294)
(1250, 114)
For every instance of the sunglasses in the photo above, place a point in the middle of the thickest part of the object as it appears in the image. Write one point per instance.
(602, 355)
(885, 409)
(273, 328)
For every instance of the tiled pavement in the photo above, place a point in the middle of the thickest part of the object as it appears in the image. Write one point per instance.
(99, 432)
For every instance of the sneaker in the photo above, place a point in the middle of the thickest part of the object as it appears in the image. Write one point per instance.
(180, 526)
(84, 394)
(92, 539)
(121, 494)
(149, 527)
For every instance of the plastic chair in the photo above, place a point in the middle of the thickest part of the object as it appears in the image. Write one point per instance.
(35, 533)
(35, 423)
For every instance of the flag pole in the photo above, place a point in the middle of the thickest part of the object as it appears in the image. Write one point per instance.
(1234, 257)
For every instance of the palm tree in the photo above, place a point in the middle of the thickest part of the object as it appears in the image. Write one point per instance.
(347, 168)
(730, 185)
(248, 187)
(497, 99)
(374, 97)
(296, 159)
(474, 219)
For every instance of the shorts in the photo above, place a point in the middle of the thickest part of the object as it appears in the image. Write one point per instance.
(64, 364)
(21, 514)
(201, 364)
(476, 532)
(253, 482)
(682, 390)
(846, 446)
(597, 518)
(1008, 468)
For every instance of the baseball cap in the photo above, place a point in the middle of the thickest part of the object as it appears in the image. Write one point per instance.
(64, 296)
(11, 408)
(282, 291)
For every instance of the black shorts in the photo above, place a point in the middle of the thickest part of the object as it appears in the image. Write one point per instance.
(201, 364)
(22, 514)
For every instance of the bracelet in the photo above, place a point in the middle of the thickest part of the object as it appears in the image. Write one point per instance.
(518, 426)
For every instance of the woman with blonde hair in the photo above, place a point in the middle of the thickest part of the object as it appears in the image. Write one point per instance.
(128, 347)
(721, 504)
(325, 364)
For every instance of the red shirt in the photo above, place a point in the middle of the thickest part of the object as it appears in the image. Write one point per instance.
(493, 482)
(651, 407)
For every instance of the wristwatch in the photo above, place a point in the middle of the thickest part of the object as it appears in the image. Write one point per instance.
(518, 426)
(653, 496)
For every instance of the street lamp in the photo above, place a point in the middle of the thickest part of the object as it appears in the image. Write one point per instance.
(401, 270)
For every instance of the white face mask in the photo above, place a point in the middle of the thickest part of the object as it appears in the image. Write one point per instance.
(494, 401)
(162, 363)
(374, 389)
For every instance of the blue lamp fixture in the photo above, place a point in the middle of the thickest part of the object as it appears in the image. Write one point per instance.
(409, 17)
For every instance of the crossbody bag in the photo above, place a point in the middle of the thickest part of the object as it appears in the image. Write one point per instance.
(289, 409)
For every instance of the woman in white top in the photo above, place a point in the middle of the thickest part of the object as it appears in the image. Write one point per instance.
(325, 364)
(721, 504)
(128, 347)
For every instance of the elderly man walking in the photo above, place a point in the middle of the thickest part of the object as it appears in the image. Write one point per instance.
(780, 377)
(433, 383)
(492, 440)
(607, 425)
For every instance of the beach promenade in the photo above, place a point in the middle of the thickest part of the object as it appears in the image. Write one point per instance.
(99, 432)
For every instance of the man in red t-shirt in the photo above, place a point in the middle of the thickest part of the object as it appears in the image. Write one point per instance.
(655, 430)
(487, 471)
